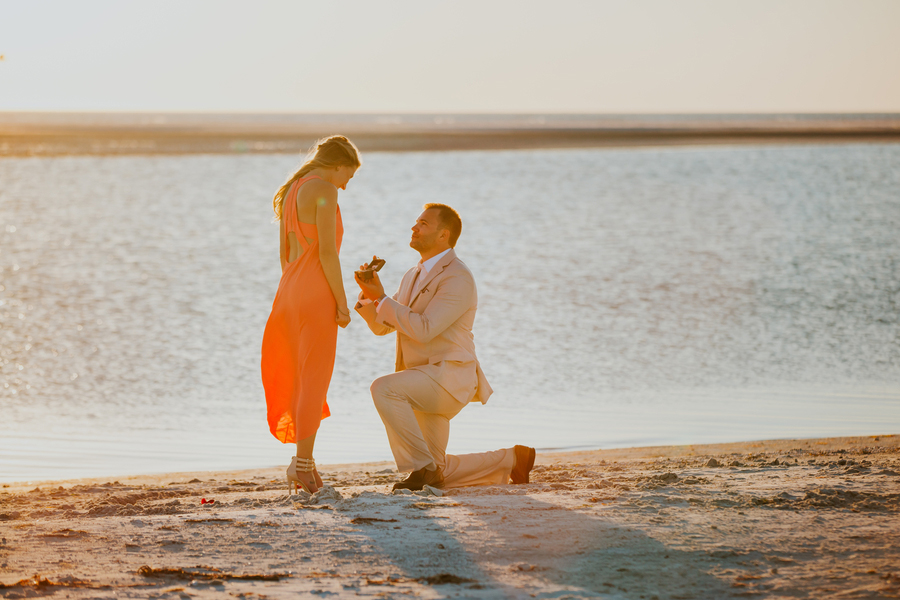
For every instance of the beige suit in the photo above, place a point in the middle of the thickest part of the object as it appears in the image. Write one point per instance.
(437, 373)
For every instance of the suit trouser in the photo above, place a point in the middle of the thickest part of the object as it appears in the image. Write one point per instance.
(416, 412)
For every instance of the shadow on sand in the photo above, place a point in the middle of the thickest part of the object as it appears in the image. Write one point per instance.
(538, 550)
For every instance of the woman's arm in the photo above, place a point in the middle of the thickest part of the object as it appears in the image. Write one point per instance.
(283, 250)
(326, 225)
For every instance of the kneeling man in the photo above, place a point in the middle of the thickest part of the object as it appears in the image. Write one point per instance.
(437, 373)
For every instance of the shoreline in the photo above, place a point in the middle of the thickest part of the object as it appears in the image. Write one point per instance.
(84, 134)
(148, 144)
(543, 457)
(790, 518)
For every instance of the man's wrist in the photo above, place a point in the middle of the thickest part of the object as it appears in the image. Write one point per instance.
(379, 303)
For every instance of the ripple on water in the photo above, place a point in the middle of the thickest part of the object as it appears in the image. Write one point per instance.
(626, 297)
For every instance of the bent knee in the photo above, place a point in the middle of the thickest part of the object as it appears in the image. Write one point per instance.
(379, 389)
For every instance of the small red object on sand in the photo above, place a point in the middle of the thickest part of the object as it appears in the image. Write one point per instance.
(205, 501)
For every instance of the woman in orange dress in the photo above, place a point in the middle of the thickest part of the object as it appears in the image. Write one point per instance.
(301, 335)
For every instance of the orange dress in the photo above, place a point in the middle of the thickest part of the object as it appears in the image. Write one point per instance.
(301, 335)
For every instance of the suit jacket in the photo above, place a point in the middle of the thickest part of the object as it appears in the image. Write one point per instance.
(434, 328)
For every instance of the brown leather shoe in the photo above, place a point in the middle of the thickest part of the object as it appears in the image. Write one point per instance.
(524, 464)
(417, 480)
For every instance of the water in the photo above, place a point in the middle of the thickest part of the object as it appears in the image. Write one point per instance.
(627, 297)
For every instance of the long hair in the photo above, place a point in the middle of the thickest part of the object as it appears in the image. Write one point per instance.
(328, 153)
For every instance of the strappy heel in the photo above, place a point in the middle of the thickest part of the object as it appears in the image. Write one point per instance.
(299, 465)
(318, 478)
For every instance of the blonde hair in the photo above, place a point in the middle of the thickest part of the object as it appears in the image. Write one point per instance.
(328, 153)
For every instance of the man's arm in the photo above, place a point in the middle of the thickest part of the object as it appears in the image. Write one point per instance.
(366, 310)
(369, 291)
(454, 295)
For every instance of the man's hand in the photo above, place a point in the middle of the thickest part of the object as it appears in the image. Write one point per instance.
(372, 289)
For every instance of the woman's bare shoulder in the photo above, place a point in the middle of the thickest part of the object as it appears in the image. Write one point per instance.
(318, 187)
(314, 193)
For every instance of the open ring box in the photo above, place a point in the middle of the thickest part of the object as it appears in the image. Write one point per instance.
(368, 274)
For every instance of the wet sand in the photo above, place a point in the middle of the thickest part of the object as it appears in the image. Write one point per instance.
(788, 518)
(60, 134)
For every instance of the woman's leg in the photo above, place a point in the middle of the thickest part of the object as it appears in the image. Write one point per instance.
(305, 450)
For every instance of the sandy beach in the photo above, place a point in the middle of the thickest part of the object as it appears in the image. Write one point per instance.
(789, 518)
(111, 134)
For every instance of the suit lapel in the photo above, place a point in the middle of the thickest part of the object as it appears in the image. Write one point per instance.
(406, 287)
(438, 268)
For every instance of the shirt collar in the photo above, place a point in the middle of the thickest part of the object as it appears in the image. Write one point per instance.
(428, 265)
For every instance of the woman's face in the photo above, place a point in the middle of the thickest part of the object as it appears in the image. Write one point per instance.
(344, 175)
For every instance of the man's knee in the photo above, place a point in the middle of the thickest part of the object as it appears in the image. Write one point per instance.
(379, 389)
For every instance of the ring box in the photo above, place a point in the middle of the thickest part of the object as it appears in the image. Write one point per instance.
(368, 274)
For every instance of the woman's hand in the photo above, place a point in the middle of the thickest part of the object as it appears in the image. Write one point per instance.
(342, 317)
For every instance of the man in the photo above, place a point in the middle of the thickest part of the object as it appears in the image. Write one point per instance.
(437, 372)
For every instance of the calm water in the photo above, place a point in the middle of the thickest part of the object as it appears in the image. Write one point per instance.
(627, 297)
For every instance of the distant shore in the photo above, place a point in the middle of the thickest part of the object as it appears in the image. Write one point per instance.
(61, 134)
(810, 518)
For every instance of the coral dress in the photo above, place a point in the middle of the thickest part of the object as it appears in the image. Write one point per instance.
(301, 335)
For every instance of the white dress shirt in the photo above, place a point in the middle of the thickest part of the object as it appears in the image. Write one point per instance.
(427, 266)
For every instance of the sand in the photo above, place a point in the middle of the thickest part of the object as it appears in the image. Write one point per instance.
(111, 134)
(790, 518)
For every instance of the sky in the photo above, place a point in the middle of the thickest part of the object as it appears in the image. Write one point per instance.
(464, 56)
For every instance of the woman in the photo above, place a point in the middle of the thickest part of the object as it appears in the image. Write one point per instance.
(301, 334)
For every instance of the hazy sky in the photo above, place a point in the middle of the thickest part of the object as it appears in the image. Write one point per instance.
(451, 56)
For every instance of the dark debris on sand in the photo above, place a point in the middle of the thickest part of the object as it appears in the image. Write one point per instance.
(207, 573)
(445, 578)
(37, 582)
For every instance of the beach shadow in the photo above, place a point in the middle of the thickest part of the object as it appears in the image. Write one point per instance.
(419, 542)
(514, 544)
(584, 550)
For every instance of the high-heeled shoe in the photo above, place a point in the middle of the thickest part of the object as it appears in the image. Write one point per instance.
(299, 465)
(318, 478)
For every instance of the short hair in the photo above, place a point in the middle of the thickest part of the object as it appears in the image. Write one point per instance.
(449, 220)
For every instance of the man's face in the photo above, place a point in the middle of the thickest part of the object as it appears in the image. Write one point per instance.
(426, 231)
